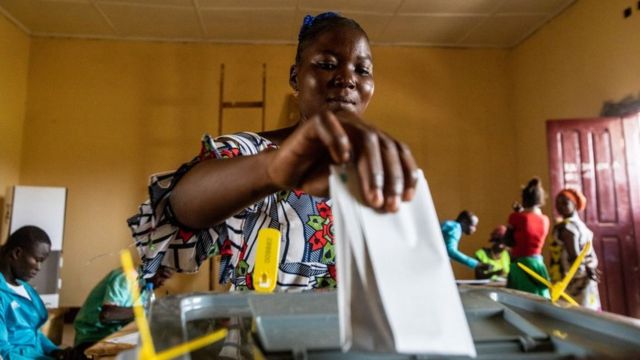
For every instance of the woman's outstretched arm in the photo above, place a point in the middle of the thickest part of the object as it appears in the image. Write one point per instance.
(386, 169)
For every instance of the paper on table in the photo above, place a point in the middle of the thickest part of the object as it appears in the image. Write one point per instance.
(131, 339)
(396, 290)
(473, 281)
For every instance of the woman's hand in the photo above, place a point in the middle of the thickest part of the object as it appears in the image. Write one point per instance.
(594, 274)
(386, 168)
(483, 271)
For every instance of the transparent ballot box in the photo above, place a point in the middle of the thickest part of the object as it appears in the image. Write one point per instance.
(505, 324)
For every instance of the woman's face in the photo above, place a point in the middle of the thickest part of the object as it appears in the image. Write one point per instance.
(335, 73)
(565, 206)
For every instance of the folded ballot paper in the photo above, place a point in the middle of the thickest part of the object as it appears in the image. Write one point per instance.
(396, 289)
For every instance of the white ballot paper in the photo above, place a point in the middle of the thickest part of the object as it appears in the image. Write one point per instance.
(396, 290)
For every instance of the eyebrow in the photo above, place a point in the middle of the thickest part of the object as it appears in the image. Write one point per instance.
(333, 53)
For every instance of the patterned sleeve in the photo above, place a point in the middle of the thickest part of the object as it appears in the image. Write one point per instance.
(159, 237)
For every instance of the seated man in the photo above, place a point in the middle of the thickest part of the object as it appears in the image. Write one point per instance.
(109, 307)
(22, 312)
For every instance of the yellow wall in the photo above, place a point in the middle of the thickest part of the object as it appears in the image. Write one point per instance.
(451, 107)
(14, 64)
(103, 115)
(588, 55)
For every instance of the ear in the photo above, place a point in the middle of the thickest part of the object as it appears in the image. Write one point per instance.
(16, 253)
(293, 77)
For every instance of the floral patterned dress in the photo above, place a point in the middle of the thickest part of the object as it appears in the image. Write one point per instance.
(307, 256)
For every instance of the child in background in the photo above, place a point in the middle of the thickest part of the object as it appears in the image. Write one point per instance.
(496, 256)
(529, 228)
(245, 182)
(570, 236)
(22, 312)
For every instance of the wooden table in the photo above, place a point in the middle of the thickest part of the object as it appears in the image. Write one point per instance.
(107, 348)
(53, 328)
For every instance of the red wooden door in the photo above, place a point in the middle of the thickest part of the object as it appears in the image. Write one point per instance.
(590, 154)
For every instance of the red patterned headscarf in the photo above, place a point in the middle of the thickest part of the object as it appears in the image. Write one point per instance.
(576, 197)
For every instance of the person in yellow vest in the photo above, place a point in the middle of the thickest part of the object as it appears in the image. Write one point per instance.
(495, 255)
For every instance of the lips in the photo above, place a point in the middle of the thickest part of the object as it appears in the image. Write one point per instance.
(337, 103)
(341, 99)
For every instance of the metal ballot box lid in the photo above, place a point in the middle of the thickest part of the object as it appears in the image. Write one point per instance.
(505, 324)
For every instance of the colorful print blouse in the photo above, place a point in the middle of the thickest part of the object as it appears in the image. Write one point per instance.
(307, 257)
(560, 262)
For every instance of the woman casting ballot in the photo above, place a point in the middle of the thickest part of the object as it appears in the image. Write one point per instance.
(244, 182)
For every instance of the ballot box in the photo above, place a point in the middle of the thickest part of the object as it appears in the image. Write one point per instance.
(504, 323)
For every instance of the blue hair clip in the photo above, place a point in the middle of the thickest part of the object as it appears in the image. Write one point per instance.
(308, 21)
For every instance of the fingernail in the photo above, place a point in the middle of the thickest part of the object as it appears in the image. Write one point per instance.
(378, 199)
(408, 194)
(393, 203)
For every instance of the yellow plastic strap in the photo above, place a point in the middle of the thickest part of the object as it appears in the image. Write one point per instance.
(535, 275)
(546, 283)
(141, 321)
(147, 351)
(194, 344)
(265, 272)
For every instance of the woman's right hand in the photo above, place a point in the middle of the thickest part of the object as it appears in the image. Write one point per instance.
(386, 168)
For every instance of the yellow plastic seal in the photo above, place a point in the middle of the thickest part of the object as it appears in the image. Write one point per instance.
(265, 272)
(147, 350)
(557, 289)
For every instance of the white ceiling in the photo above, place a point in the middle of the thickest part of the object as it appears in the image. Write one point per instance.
(455, 23)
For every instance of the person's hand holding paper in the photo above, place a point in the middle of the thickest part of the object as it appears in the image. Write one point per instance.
(396, 290)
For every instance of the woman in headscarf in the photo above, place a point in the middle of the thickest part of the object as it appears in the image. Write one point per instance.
(570, 236)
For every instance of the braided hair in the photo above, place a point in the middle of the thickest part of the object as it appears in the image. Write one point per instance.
(312, 26)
